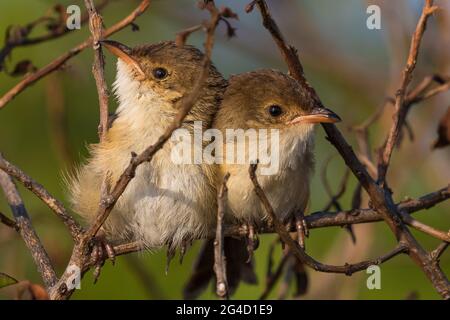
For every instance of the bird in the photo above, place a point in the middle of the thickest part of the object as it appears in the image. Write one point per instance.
(166, 203)
(263, 100)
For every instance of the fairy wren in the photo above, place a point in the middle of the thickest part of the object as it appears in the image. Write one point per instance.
(273, 101)
(274, 106)
(165, 203)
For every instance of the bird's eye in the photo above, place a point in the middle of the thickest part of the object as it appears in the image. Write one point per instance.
(275, 110)
(160, 73)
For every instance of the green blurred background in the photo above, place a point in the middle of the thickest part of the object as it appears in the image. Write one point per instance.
(45, 131)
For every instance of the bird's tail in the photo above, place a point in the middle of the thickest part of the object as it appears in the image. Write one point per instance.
(238, 269)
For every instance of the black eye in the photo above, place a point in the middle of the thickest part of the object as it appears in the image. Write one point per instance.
(159, 73)
(275, 111)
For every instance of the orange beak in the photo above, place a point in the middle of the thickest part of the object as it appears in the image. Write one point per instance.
(123, 52)
(317, 115)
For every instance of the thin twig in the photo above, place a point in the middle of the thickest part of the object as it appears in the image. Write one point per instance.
(219, 254)
(55, 205)
(437, 253)
(98, 66)
(61, 60)
(26, 230)
(8, 222)
(438, 234)
(54, 33)
(319, 219)
(300, 254)
(401, 108)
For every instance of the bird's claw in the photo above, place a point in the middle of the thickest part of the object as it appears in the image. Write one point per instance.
(185, 244)
(301, 228)
(252, 241)
(101, 250)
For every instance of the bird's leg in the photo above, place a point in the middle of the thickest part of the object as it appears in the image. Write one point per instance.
(301, 227)
(99, 246)
(185, 244)
(252, 241)
(169, 256)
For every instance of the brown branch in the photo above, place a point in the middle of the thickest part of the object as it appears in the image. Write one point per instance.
(300, 254)
(58, 62)
(401, 108)
(219, 255)
(182, 36)
(55, 205)
(315, 220)
(8, 222)
(438, 234)
(26, 230)
(98, 66)
(323, 219)
(54, 33)
(381, 198)
(437, 253)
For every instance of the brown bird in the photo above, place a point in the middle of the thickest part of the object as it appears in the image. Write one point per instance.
(165, 203)
(270, 105)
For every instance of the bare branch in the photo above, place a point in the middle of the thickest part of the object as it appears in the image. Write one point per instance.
(219, 255)
(54, 33)
(319, 219)
(55, 205)
(58, 62)
(26, 230)
(98, 67)
(8, 222)
(298, 251)
(402, 108)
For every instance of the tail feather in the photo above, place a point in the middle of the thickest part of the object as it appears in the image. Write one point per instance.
(237, 268)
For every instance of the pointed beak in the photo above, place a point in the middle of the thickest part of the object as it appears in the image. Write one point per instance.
(123, 52)
(317, 115)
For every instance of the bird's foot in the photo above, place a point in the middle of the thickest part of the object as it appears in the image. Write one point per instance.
(185, 244)
(101, 250)
(252, 241)
(301, 228)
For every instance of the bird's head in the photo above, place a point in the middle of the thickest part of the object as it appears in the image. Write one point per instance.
(160, 75)
(269, 99)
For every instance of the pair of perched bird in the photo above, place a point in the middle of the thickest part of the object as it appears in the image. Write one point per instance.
(168, 203)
